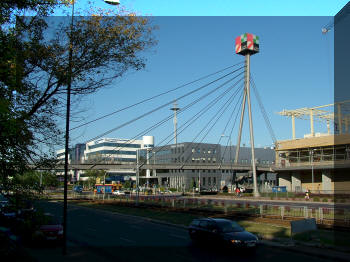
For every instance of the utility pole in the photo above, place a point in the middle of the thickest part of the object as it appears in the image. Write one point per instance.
(66, 153)
(247, 45)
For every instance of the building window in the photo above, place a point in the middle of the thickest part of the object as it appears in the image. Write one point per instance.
(214, 181)
(209, 181)
(203, 180)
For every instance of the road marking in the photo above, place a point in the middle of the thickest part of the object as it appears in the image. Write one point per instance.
(177, 236)
(127, 240)
(92, 229)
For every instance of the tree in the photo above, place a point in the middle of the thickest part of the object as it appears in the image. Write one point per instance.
(127, 184)
(94, 174)
(35, 71)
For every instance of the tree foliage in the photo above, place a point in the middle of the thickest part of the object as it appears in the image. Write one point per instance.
(35, 69)
(93, 175)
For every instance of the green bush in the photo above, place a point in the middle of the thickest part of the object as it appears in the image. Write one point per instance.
(316, 199)
(325, 200)
(172, 189)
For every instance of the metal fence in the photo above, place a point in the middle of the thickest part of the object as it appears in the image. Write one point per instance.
(323, 215)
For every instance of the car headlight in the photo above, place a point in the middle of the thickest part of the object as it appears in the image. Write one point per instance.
(235, 241)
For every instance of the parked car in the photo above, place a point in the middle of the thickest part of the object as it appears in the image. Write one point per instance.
(118, 193)
(222, 232)
(50, 229)
(78, 189)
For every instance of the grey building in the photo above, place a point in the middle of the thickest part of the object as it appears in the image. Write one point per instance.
(188, 153)
(205, 153)
(263, 156)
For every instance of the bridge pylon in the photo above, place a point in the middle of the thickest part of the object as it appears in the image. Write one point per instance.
(247, 45)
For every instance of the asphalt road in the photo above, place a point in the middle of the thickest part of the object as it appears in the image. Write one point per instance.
(96, 235)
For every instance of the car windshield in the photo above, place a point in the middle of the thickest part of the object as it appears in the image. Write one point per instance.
(229, 226)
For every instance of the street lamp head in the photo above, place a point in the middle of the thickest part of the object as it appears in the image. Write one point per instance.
(112, 2)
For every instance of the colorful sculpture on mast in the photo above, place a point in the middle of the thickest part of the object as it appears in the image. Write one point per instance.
(247, 44)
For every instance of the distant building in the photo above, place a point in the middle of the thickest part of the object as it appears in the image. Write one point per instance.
(203, 153)
(263, 156)
(187, 153)
(107, 150)
(112, 150)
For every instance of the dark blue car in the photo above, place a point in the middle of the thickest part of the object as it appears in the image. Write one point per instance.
(78, 189)
(222, 232)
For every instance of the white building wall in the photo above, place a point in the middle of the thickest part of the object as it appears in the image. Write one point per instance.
(113, 144)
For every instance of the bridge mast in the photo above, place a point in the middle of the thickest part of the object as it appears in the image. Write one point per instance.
(247, 45)
(175, 109)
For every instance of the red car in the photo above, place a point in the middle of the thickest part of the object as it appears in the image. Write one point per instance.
(50, 229)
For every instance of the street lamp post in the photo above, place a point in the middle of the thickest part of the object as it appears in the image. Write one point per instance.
(137, 176)
(230, 160)
(312, 168)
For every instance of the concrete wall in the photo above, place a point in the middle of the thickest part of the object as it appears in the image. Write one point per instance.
(284, 179)
(327, 180)
(296, 182)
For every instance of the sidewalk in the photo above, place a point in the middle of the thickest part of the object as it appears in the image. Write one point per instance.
(300, 201)
(267, 199)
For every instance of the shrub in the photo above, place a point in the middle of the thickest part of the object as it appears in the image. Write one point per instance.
(325, 200)
(316, 199)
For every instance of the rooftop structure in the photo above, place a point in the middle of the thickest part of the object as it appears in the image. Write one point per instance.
(336, 114)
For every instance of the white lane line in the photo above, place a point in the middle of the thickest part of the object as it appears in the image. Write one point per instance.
(127, 240)
(177, 236)
(92, 229)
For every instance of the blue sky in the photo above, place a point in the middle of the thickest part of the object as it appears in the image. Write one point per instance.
(294, 68)
(229, 7)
